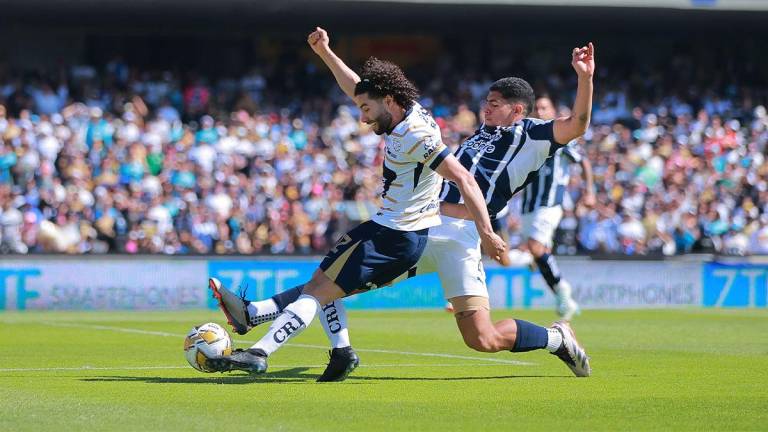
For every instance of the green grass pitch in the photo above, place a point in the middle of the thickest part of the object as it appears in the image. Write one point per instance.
(685, 369)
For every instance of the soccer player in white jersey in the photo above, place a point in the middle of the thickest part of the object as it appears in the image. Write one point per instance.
(375, 252)
(541, 209)
(503, 155)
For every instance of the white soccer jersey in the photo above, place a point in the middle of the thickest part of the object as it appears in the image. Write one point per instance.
(414, 149)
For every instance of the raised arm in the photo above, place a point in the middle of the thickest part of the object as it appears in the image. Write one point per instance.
(452, 170)
(573, 126)
(345, 77)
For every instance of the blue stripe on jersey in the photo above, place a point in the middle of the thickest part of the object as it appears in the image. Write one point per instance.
(548, 187)
(500, 195)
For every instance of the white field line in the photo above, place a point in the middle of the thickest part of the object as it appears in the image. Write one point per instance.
(175, 335)
(142, 368)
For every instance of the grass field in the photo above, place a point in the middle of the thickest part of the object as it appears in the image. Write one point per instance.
(669, 369)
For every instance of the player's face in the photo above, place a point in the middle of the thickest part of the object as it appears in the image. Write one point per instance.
(544, 109)
(374, 113)
(499, 111)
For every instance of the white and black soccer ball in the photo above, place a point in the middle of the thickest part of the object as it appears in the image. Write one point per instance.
(205, 341)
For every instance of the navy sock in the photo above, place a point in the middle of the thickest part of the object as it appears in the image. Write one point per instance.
(529, 337)
(549, 269)
(287, 297)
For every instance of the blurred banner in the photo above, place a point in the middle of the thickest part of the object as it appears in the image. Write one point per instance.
(175, 283)
(735, 285)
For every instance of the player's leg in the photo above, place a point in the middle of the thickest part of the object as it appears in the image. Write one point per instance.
(516, 335)
(296, 317)
(367, 256)
(333, 315)
(473, 317)
(459, 265)
(540, 229)
(343, 358)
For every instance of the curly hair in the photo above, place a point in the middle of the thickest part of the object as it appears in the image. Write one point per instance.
(380, 78)
(515, 89)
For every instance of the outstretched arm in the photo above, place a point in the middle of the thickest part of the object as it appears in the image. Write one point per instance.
(452, 170)
(567, 128)
(346, 77)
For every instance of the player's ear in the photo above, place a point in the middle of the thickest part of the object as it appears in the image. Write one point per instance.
(389, 101)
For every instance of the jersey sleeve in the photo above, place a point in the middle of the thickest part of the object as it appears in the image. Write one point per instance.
(543, 131)
(426, 147)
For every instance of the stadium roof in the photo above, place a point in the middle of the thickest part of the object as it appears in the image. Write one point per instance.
(734, 5)
(276, 16)
(283, 5)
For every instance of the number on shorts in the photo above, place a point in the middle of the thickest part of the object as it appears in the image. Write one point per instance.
(345, 239)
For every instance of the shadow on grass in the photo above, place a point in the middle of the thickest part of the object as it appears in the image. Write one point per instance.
(295, 375)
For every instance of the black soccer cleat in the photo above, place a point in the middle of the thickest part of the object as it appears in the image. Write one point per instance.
(252, 360)
(342, 361)
(235, 307)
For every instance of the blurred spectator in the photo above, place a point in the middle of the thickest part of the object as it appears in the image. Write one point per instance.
(122, 160)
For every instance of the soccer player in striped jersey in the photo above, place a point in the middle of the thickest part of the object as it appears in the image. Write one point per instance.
(542, 210)
(503, 155)
(377, 251)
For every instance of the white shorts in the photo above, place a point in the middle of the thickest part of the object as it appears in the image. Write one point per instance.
(542, 223)
(453, 252)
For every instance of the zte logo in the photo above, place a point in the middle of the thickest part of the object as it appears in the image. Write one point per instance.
(288, 329)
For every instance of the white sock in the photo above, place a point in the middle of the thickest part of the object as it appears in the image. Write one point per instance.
(554, 339)
(563, 289)
(262, 311)
(296, 317)
(333, 317)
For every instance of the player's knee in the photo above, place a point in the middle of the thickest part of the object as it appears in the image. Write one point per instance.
(537, 249)
(482, 342)
(322, 288)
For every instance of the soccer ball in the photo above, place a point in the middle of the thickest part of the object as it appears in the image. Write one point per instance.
(205, 341)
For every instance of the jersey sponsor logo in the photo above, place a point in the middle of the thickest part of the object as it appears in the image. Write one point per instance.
(483, 141)
(430, 145)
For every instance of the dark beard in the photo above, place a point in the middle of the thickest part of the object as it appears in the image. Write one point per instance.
(383, 124)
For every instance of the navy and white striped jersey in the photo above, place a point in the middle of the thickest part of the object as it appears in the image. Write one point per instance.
(548, 186)
(503, 160)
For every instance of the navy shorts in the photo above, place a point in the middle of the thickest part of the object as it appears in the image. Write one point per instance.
(372, 255)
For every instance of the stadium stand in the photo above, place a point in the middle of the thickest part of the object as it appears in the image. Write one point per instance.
(120, 156)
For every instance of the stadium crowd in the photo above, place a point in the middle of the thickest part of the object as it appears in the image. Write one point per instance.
(118, 160)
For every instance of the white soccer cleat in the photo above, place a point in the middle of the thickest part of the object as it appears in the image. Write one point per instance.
(567, 307)
(570, 352)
